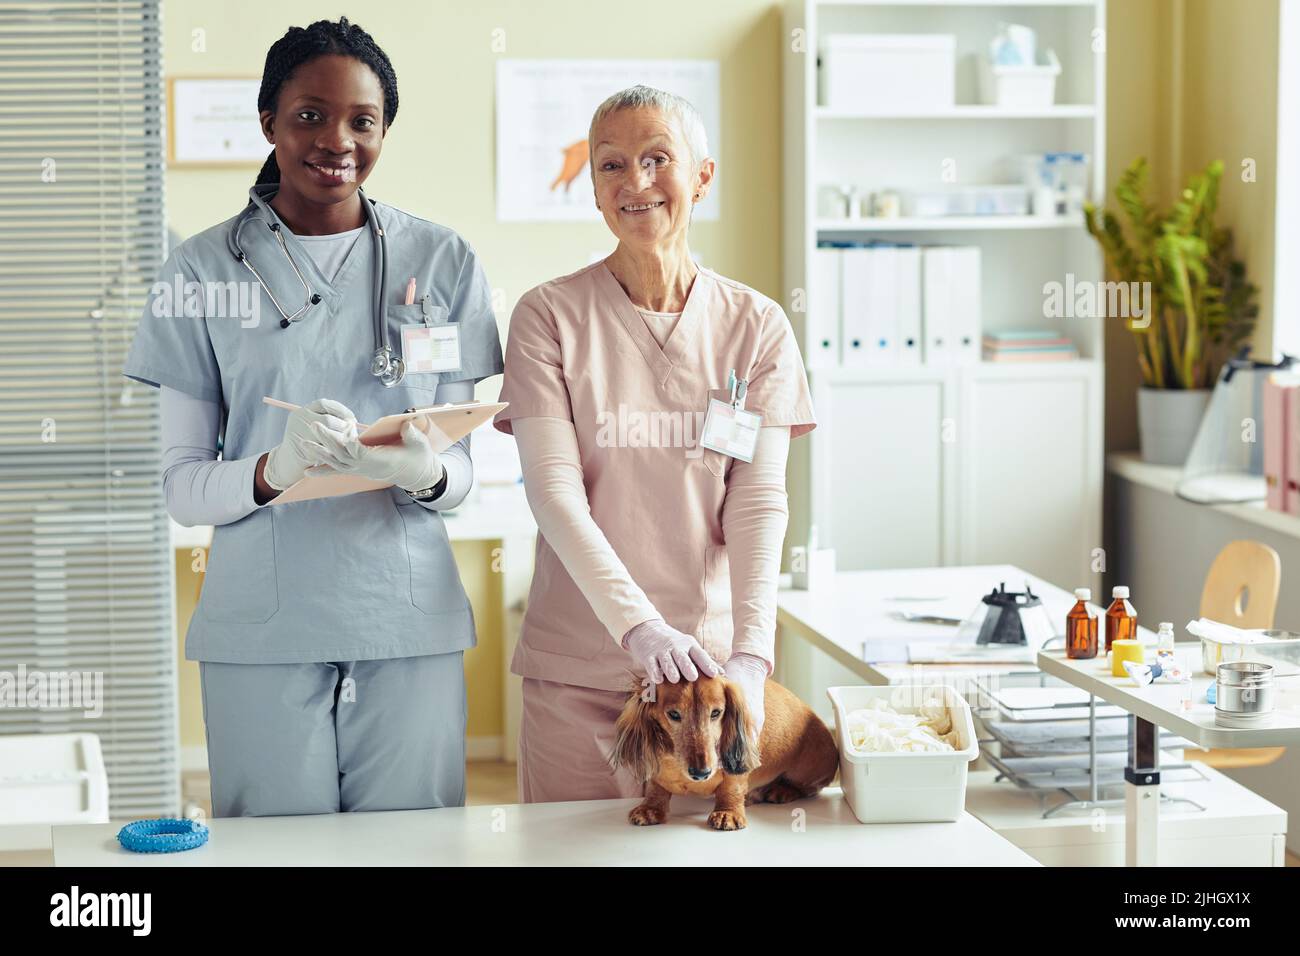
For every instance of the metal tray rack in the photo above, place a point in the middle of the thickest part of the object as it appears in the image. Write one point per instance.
(1068, 749)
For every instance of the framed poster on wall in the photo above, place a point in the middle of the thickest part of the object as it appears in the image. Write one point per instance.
(212, 121)
(544, 109)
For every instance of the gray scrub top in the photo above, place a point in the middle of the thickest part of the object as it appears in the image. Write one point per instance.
(357, 577)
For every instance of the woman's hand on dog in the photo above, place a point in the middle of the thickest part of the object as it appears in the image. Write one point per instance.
(667, 654)
(750, 672)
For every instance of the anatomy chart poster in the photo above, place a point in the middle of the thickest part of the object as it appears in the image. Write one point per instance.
(544, 109)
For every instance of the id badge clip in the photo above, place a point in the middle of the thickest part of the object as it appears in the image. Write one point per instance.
(728, 428)
(433, 346)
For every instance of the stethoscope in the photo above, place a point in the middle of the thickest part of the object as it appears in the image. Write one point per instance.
(384, 365)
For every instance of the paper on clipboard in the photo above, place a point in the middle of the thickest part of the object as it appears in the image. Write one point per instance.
(443, 424)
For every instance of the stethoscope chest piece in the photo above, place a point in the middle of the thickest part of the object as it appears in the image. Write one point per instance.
(387, 367)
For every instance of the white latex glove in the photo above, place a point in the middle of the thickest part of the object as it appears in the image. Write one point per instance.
(665, 653)
(749, 672)
(411, 464)
(288, 461)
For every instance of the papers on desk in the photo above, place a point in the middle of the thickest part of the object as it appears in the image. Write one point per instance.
(928, 653)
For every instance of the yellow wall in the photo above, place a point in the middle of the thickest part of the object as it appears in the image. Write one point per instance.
(1230, 113)
(1189, 81)
(439, 162)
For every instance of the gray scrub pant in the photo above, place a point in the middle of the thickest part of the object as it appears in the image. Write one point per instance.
(322, 738)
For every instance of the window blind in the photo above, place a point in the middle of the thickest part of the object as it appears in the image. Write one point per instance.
(86, 572)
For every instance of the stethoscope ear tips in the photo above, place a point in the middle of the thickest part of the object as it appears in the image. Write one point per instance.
(315, 298)
(284, 323)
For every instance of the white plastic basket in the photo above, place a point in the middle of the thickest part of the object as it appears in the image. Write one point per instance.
(1020, 87)
(904, 787)
(52, 779)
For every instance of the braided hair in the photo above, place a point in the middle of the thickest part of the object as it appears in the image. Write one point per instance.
(300, 45)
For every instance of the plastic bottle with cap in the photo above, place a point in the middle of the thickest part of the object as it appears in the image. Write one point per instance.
(1165, 645)
(1081, 628)
(1121, 618)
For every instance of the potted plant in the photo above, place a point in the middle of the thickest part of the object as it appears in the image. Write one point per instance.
(1200, 306)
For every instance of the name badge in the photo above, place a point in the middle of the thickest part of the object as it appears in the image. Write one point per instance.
(730, 430)
(431, 348)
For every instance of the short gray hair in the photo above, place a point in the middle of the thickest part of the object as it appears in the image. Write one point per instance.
(670, 104)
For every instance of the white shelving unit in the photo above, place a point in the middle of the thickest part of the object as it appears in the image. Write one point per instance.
(983, 464)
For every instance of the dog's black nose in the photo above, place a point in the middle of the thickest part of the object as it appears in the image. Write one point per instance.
(699, 773)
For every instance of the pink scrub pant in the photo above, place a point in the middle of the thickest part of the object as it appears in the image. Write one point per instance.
(565, 736)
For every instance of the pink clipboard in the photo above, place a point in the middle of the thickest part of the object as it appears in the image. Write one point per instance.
(443, 424)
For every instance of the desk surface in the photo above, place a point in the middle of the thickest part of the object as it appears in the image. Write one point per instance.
(593, 833)
(837, 616)
(1161, 704)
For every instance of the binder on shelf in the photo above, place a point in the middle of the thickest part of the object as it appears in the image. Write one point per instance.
(1291, 498)
(951, 305)
(869, 327)
(908, 275)
(822, 320)
(1276, 411)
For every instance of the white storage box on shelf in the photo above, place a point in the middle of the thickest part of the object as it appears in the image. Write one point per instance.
(904, 787)
(888, 73)
(1020, 87)
(48, 779)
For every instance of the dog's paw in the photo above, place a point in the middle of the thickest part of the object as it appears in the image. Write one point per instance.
(647, 815)
(727, 819)
(778, 791)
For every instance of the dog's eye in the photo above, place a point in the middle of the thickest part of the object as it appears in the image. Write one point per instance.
(674, 715)
(715, 714)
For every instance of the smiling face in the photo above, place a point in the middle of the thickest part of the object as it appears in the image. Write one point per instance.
(328, 129)
(645, 177)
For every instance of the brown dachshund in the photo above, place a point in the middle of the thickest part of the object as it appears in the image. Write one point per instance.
(693, 740)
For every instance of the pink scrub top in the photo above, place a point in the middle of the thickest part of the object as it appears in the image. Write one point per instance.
(577, 349)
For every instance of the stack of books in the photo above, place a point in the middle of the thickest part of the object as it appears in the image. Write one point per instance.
(1028, 345)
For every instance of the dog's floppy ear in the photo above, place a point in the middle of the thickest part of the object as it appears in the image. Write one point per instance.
(738, 753)
(640, 739)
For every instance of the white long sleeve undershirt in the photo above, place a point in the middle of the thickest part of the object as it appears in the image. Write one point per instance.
(754, 519)
(201, 489)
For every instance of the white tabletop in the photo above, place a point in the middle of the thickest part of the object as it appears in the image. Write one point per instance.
(1161, 704)
(816, 832)
(840, 614)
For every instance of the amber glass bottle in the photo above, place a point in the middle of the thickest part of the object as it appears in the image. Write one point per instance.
(1121, 619)
(1081, 628)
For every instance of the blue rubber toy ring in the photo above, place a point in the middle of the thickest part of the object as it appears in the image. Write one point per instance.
(164, 835)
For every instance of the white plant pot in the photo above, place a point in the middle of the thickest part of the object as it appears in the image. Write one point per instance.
(1167, 422)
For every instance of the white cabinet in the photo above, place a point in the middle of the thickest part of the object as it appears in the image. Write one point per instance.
(978, 465)
(1029, 470)
(882, 469)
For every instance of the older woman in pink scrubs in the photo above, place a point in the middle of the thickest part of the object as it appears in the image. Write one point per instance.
(657, 556)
